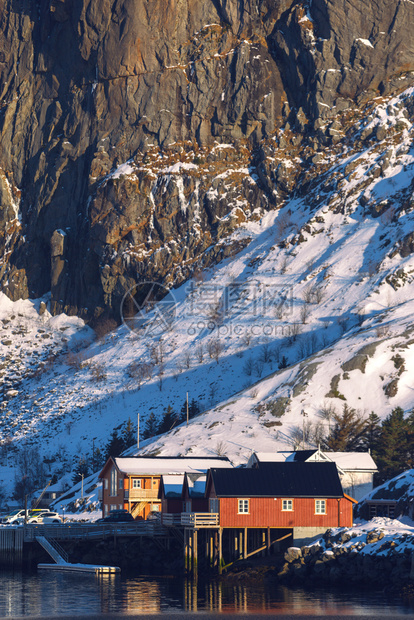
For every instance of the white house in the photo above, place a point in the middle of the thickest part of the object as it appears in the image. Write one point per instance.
(356, 469)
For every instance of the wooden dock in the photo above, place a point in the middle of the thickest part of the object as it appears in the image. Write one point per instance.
(81, 568)
(16, 541)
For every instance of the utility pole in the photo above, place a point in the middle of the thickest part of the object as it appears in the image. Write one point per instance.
(305, 415)
(187, 409)
(138, 433)
(82, 486)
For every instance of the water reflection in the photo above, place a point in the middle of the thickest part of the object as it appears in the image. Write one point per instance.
(47, 594)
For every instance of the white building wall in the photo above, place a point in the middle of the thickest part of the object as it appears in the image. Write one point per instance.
(357, 484)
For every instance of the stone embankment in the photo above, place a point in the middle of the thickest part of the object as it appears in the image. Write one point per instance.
(372, 558)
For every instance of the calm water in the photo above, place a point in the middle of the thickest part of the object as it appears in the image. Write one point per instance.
(45, 594)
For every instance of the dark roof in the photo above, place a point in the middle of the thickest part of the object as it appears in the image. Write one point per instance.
(184, 458)
(303, 455)
(294, 479)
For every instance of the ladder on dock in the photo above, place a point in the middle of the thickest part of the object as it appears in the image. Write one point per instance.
(61, 558)
(54, 549)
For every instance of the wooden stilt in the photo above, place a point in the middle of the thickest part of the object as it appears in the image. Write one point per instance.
(195, 553)
(186, 551)
(220, 551)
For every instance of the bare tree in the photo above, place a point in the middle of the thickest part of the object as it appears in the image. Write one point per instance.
(301, 436)
(98, 372)
(154, 353)
(221, 448)
(161, 350)
(313, 294)
(327, 411)
(282, 224)
(294, 330)
(318, 294)
(248, 366)
(318, 434)
(304, 313)
(139, 371)
(343, 323)
(199, 351)
(247, 338)
(307, 294)
(279, 310)
(160, 373)
(218, 349)
(265, 353)
(215, 348)
(258, 367)
(187, 359)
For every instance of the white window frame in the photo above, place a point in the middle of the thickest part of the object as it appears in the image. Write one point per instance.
(112, 507)
(320, 503)
(136, 483)
(114, 483)
(243, 506)
(286, 506)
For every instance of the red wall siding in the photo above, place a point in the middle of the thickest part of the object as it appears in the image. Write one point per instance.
(267, 512)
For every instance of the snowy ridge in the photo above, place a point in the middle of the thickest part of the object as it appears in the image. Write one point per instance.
(324, 290)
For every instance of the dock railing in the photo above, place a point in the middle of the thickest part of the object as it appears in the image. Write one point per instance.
(169, 519)
(66, 531)
(200, 519)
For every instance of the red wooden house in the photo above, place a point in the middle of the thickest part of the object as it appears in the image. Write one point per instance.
(305, 498)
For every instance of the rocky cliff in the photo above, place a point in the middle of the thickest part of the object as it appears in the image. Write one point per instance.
(135, 135)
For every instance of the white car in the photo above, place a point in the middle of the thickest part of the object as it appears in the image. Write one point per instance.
(13, 517)
(46, 517)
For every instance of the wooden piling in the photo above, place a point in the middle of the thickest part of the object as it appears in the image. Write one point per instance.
(220, 549)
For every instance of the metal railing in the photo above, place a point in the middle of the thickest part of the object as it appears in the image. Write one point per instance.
(200, 519)
(139, 494)
(66, 531)
(64, 554)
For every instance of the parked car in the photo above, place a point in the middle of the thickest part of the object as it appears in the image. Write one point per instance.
(32, 514)
(117, 516)
(45, 517)
(13, 516)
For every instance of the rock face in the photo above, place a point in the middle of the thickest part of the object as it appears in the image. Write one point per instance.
(136, 135)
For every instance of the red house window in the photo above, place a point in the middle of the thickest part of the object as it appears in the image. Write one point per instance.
(243, 505)
(287, 505)
(320, 507)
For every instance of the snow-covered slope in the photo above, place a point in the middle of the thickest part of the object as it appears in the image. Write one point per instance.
(323, 290)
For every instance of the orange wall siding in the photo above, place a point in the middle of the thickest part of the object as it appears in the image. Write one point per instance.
(111, 500)
(267, 512)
